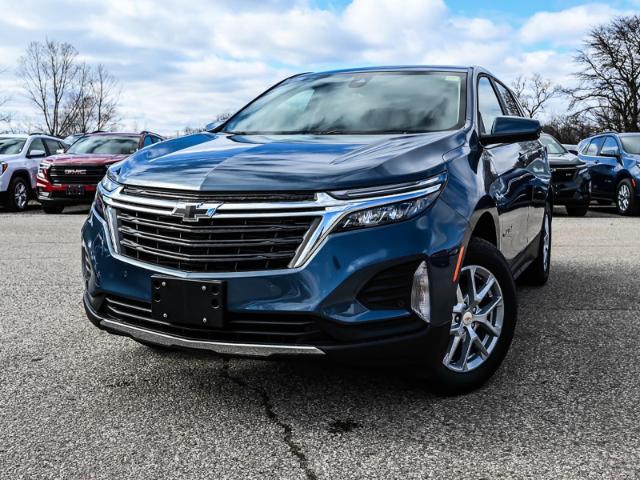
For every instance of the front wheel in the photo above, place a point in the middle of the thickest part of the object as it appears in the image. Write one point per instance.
(625, 198)
(18, 195)
(466, 352)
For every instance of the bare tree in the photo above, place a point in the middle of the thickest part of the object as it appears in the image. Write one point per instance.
(70, 95)
(5, 116)
(49, 71)
(609, 82)
(570, 128)
(534, 92)
(106, 94)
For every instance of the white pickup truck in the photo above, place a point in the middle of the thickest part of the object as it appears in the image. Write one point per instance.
(20, 156)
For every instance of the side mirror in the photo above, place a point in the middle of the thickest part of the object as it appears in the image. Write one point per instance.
(573, 150)
(59, 151)
(36, 154)
(512, 130)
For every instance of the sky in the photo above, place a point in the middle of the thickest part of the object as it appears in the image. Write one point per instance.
(181, 63)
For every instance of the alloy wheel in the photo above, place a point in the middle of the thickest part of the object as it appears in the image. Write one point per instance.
(477, 320)
(20, 195)
(624, 197)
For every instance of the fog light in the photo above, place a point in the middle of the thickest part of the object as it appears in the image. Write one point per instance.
(420, 301)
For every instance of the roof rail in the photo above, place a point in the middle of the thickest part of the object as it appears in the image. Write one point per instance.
(606, 132)
(37, 133)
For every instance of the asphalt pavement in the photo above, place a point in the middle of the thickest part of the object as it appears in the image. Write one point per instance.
(77, 403)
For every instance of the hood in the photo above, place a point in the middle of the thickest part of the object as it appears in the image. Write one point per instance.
(10, 157)
(85, 159)
(565, 160)
(223, 162)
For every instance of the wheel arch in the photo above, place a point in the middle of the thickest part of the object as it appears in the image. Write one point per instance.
(485, 222)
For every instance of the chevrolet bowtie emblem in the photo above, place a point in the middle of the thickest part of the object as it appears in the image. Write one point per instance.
(193, 212)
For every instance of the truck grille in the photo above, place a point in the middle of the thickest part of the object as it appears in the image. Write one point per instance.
(242, 328)
(563, 174)
(218, 244)
(77, 174)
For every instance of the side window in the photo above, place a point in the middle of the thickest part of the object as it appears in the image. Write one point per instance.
(609, 148)
(594, 146)
(488, 105)
(36, 144)
(156, 139)
(508, 100)
(147, 141)
(52, 146)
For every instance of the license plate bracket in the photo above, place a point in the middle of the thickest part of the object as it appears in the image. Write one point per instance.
(75, 190)
(189, 302)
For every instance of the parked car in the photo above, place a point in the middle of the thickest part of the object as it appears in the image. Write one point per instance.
(71, 139)
(20, 156)
(71, 178)
(373, 216)
(614, 165)
(569, 177)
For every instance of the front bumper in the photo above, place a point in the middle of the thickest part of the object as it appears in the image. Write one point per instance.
(324, 289)
(57, 195)
(576, 191)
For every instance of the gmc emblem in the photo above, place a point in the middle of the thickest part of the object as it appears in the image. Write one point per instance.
(75, 171)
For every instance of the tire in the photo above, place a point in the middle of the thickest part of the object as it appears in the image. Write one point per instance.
(444, 370)
(18, 195)
(577, 210)
(625, 198)
(538, 272)
(52, 209)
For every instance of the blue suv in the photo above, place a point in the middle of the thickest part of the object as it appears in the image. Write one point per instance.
(614, 165)
(373, 216)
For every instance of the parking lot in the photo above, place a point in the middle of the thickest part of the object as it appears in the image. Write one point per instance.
(78, 403)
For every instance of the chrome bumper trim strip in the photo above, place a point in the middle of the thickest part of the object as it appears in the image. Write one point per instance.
(225, 348)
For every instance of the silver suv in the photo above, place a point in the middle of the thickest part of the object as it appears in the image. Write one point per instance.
(20, 157)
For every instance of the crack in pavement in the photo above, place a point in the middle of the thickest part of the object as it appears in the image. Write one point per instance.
(295, 449)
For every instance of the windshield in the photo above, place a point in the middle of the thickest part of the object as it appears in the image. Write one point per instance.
(105, 144)
(553, 146)
(357, 103)
(11, 146)
(631, 144)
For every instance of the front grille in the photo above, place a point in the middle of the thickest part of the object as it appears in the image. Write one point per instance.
(77, 174)
(218, 244)
(389, 289)
(241, 328)
(228, 197)
(563, 174)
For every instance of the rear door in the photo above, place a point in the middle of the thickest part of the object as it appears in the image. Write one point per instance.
(511, 190)
(589, 155)
(606, 167)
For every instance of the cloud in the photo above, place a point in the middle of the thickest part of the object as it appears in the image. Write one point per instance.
(183, 63)
(566, 27)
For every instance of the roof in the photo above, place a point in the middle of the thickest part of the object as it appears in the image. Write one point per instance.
(404, 68)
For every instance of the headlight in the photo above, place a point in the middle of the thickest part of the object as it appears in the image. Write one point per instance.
(3, 167)
(98, 204)
(109, 182)
(396, 212)
(388, 204)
